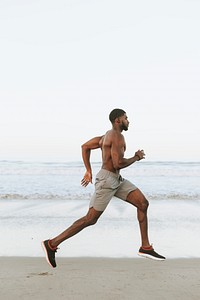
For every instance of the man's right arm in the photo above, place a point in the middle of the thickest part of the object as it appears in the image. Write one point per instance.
(94, 143)
(86, 150)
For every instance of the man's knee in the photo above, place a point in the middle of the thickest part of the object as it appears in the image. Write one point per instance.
(144, 204)
(137, 199)
(91, 221)
(92, 218)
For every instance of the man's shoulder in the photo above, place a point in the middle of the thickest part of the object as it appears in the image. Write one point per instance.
(114, 135)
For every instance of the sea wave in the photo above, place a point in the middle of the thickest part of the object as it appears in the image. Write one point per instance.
(86, 196)
(147, 169)
(37, 196)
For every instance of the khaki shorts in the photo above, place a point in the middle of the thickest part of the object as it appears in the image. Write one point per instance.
(107, 185)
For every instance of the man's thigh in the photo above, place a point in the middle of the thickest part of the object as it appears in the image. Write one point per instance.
(137, 199)
(125, 188)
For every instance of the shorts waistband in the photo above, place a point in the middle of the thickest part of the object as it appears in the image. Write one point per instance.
(111, 174)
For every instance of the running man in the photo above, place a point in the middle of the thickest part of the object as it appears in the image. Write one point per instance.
(108, 183)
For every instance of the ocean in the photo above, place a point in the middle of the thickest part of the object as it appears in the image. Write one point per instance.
(38, 200)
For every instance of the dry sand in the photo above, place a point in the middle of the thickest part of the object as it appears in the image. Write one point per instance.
(99, 278)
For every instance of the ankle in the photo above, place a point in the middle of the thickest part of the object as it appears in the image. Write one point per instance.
(52, 247)
(147, 247)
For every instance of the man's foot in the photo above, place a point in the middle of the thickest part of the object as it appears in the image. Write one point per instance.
(150, 253)
(50, 253)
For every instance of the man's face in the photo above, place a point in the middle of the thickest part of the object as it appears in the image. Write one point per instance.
(124, 122)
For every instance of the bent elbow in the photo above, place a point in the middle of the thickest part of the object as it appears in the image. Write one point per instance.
(84, 146)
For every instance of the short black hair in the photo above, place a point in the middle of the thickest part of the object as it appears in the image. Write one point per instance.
(116, 113)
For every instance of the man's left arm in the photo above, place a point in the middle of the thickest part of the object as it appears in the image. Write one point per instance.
(117, 154)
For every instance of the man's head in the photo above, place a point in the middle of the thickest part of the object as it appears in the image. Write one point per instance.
(116, 113)
(119, 115)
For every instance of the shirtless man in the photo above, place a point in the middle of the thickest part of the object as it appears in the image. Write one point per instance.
(108, 183)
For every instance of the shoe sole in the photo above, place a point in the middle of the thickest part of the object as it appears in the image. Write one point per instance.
(46, 254)
(145, 255)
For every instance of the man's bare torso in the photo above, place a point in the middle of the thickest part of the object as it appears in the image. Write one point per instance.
(113, 147)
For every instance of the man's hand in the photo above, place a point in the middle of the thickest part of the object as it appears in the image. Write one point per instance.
(87, 178)
(140, 154)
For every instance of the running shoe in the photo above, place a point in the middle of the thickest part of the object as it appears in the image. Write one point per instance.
(150, 253)
(50, 253)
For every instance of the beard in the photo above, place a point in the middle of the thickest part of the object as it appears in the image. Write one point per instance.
(124, 127)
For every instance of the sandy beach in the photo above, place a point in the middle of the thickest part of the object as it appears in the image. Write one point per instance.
(99, 278)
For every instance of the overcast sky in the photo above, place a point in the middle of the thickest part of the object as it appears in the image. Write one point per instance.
(64, 65)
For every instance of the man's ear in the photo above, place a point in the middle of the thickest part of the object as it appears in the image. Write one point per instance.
(118, 120)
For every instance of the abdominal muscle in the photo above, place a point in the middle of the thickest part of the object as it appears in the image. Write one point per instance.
(107, 163)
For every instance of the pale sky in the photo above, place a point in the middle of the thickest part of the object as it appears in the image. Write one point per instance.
(64, 65)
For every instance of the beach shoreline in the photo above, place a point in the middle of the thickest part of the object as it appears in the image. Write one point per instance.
(99, 278)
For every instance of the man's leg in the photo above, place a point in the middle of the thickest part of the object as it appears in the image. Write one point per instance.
(50, 246)
(137, 199)
(89, 219)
